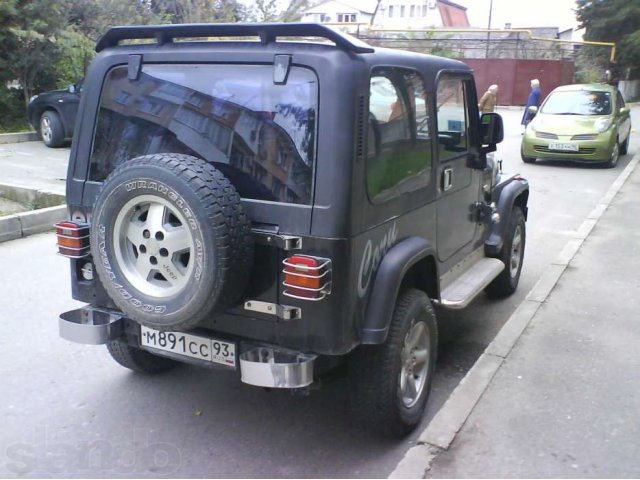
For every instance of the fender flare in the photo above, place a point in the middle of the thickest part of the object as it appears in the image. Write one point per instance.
(393, 268)
(513, 191)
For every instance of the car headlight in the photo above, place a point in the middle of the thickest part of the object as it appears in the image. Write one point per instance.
(33, 98)
(603, 124)
(532, 126)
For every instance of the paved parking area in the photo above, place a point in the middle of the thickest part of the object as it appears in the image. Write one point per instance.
(33, 165)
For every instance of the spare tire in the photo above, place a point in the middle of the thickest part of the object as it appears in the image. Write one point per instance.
(170, 240)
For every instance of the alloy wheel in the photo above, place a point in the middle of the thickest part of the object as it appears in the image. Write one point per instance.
(415, 364)
(45, 129)
(154, 246)
(516, 252)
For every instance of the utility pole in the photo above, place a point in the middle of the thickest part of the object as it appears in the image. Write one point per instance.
(489, 28)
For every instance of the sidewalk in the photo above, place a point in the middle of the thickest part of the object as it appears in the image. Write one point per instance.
(33, 165)
(565, 401)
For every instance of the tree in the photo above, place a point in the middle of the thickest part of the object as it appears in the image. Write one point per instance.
(200, 11)
(93, 18)
(613, 21)
(28, 43)
(75, 51)
(293, 11)
(265, 11)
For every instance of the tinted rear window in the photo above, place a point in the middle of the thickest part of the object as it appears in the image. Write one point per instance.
(260, 135)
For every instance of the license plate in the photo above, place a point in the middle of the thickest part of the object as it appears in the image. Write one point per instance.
(570, 147)
(194, 346)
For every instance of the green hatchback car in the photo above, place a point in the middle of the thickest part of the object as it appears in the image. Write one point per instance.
(586, 123)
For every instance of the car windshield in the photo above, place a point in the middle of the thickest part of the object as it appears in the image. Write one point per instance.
(259, 134)
(582, 102)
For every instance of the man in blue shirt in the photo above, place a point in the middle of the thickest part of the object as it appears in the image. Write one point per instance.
(534, 100)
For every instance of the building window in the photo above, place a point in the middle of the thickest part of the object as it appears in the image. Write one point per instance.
(412, 11)
(402, 11)
(390, 11)
(147, 105)
(220, 108)
(174, 90)
(281, 159)
(196, 100)
(123, 97)
(194, 120)
(324, 17)
(346, 17)
(424, 10)
(276, 187)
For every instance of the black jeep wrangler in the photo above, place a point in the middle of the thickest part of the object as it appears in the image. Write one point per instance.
(283, 208)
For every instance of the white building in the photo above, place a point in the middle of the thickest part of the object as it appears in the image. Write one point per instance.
(414, 14)
(336, 11)
(391, 14)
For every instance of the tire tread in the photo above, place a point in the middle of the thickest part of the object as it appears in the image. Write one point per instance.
(503, 286)
(137, 359)
(230, 225)
(372, 367)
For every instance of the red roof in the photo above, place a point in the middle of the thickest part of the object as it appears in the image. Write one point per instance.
(453, 15)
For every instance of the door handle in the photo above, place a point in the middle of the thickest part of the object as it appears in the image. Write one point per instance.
(447, 179)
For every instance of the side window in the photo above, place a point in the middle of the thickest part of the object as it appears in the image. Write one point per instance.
(453, 118)
(398, 138)
(620, 100)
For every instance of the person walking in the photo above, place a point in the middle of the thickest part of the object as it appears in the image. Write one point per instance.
(489, 100)
(534, 100)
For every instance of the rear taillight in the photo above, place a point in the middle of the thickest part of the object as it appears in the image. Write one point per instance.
(73, 239)
(307, 278)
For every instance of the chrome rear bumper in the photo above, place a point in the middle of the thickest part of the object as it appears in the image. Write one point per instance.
(263, 366)
(276, 368)
(89, 326)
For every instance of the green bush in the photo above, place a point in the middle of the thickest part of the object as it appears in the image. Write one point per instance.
(14, 111)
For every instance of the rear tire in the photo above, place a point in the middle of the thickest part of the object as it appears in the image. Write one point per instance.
(615, 156)
(390, 383)
(512, 255)
(624, 148)
(51, 129)
(171, 240)
(137, 359)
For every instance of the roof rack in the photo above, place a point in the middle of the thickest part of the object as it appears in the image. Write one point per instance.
(266, 31)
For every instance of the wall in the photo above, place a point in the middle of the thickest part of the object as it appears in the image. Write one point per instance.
(513, 76)
(630, 90)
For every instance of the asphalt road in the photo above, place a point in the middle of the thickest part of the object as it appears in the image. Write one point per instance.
(68, 410)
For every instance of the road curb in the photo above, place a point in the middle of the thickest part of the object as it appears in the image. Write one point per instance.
(23, 224)
(444, 426)
(33, 196)
(18, 137)
(38, 220)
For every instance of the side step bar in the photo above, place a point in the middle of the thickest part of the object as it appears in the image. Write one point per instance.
(463, 289)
